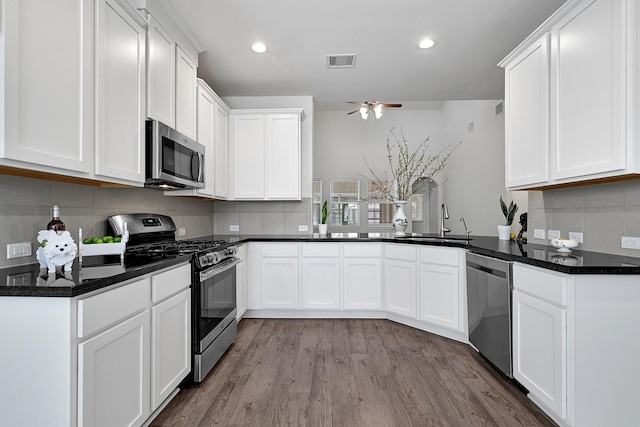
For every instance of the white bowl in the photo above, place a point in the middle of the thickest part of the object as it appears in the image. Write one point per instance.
(564, 245)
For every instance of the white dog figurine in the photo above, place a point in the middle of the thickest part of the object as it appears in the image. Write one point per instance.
(59, 250)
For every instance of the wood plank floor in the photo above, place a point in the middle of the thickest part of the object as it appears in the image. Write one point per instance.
(349, 372)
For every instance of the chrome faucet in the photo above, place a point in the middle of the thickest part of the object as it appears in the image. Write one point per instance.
(444, 215)
(466, 231)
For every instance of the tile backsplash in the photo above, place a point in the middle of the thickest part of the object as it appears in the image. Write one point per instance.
(603, 213)
(25, 208)
(263, 217)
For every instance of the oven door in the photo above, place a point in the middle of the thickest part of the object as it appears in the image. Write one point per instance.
(214, 303)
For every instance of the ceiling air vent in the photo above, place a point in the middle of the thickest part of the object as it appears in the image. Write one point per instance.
(341, 61)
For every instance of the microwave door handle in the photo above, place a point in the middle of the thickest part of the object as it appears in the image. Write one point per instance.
(201, 167)
(195, 166)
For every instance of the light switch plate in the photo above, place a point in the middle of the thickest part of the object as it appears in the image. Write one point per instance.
(17, 250)
(553, 234)
(538, 233)
(303, 227)
(630, 242)
(234, 228)
(182, 231)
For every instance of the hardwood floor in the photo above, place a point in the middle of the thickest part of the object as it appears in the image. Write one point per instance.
(349, 372)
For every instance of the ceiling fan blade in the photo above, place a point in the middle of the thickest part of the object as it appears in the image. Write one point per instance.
(391, 105)
(357, 103)
(354, 111)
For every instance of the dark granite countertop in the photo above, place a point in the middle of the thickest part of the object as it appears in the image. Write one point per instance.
(95, 273)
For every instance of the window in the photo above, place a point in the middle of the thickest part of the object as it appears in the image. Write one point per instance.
(379, 211)
(317, 201)
(345, 202)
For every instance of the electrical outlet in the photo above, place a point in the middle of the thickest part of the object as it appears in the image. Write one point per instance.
(538, 233)
(553, 234)
(234, 228)
(182, 231)
(575, 236)
(22, 279)
(17, 250)
(303, 227)
(630, 242)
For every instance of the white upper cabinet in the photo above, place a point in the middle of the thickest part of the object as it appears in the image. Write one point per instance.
(266, 154)
(172, 62)
(527, 116)
(120, 94)
(161, 74)
(221, 151)
(587, 112)
(186, 78)
(568, 95)
(47, 83)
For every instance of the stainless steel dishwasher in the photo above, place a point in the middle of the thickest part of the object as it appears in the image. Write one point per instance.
(489, 290)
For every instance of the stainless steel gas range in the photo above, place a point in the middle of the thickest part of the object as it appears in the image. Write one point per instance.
(214, 328)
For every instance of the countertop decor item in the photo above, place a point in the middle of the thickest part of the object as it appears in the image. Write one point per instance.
(504, 231)
(407, 167)
(56, 250)
(400, 220)
(322, 227)
(563, 244)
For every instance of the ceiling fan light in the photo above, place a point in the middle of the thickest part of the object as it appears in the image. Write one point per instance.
(426, 44)
(364, 112)
(259, 47)
(378, 114)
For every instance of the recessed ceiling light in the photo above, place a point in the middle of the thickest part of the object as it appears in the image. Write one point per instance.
(259, 47)
(426, 44)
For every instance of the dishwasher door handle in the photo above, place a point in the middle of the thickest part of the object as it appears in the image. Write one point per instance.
(491, 271)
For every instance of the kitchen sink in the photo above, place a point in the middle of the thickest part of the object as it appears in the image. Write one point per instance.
(431, 238)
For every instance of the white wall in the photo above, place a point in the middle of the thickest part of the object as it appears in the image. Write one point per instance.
(474, 175)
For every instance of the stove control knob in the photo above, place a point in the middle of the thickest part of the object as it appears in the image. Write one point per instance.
(231, 251)
(215, 257)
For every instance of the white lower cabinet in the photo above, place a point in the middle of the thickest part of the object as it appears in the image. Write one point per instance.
(439, 287)
(321, 275)
(171, 345)
(362, 276)
(114, 375)
(400, 279)
(539, 355)
(279, 275)
(241, 282)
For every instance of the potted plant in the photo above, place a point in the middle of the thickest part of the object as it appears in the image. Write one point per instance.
(504, 231)
(322, 227)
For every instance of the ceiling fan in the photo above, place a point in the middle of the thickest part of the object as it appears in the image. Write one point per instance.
(374, 107)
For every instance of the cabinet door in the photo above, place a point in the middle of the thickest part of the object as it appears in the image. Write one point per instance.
(283, 156)
(588, 64)
(186, 81)
(362, 281)
(400, 287)
(527, 116)
(321, 283)
(161, 74)
(241, 289)
(120, 94)
(114, 375)
(206, 133)
(248, 156)
(280, 283)
(48, 83)
(221, 152)
(539, 350)
(438, 295)
(171, 345)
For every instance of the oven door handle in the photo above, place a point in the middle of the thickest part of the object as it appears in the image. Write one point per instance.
(207, 274)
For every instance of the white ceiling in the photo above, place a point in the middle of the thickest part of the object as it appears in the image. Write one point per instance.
(472, 37)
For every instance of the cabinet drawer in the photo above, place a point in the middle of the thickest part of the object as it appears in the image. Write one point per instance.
(548, 286)
(403, 252)
(362, 250)
(280, 250)
(439, 256)
(99, 311)
(170, 282)
(321, 250)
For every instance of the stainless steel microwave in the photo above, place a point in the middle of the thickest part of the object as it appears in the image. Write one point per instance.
(173, 161)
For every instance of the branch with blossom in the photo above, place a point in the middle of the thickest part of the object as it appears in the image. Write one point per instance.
(408, 167)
